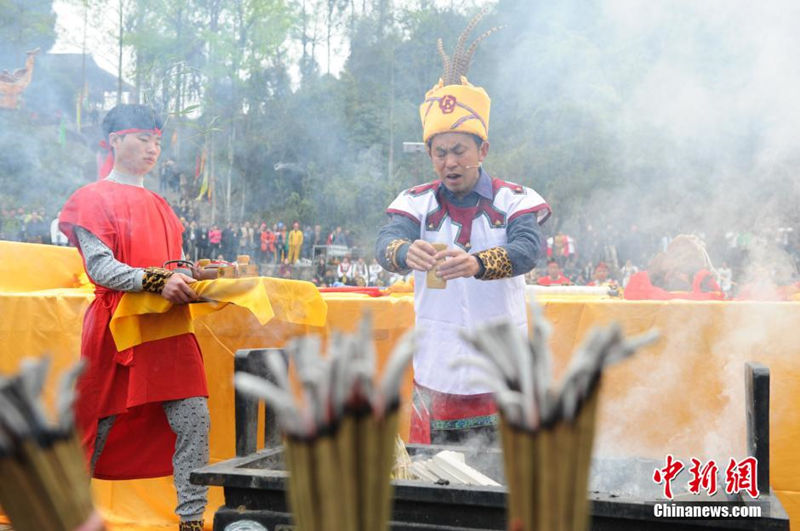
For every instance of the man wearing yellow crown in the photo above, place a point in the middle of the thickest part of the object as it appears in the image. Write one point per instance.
(491, 232)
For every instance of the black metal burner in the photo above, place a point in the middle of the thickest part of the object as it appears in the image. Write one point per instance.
(621, 492)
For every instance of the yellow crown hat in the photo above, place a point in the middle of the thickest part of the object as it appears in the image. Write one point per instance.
(462, 108)
(454, 105)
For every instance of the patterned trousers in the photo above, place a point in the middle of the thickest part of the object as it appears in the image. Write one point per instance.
(189, 420)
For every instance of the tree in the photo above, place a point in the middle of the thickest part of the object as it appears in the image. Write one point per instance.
(25, 25)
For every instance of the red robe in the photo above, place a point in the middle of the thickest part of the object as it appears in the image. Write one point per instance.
(560, 281)
(704, 288)
(141, 230)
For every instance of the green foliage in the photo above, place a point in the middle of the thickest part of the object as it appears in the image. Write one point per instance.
(241, 79)
(25, 25)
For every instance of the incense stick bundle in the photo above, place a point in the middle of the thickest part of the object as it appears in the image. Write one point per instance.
(546, 432)
(402, 461)
(45, 482)
(340, 436)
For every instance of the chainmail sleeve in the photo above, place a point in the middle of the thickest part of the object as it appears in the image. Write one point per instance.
(103, 268)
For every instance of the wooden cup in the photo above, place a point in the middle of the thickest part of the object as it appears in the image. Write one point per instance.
(229, 271)
(432, 281)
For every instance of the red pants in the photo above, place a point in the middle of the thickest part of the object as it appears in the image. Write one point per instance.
(438, 417)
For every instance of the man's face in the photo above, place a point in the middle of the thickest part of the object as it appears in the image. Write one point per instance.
(601, 274)
(136, 153)
(553, 270)
(456, 160)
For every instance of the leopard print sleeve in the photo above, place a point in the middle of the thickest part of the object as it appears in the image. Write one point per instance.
(391, 253)
(496, 264)
(155, 278)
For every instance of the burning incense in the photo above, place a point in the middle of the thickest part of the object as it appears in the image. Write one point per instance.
(341, 435)
(546, 433)
(46, 484)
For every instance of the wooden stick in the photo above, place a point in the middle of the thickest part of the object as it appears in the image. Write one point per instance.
(290, 458)
(346, 449)
(47, 483)
(73, 454)
(72, 516)
(526, 471)
(311, 502)
(510, 462)
(21, 497)
(327, 482)
(585, 429)
(387, 429)
(531, 505)
(564, 436)
(368, 450)
(547, 471)
(302, 476)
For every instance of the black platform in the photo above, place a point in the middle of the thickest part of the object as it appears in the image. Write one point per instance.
(621, 492)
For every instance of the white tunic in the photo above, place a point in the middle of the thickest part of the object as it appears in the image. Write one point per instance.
(466, 302)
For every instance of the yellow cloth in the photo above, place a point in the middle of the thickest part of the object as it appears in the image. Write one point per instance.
(143, 317)
(402, 286)
(460, 108)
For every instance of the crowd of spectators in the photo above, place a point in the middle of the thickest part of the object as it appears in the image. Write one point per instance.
(746, 265)
(744, 262)
(266, 243)
(327, 257)
(29, 225)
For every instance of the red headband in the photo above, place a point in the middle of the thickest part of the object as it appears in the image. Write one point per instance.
(107, 165)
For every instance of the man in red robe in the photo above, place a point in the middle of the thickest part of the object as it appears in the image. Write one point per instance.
(554, 276)
(141, 412)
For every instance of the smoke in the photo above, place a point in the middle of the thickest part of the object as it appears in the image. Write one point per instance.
(686, 395)
(671, 116)
(36, 170)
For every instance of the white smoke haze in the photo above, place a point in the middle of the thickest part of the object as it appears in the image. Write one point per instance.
(691, 105)
(692, 108)
(685, 395)
(698, 104)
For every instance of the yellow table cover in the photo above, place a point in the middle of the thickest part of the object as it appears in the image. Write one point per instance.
(34, 267)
